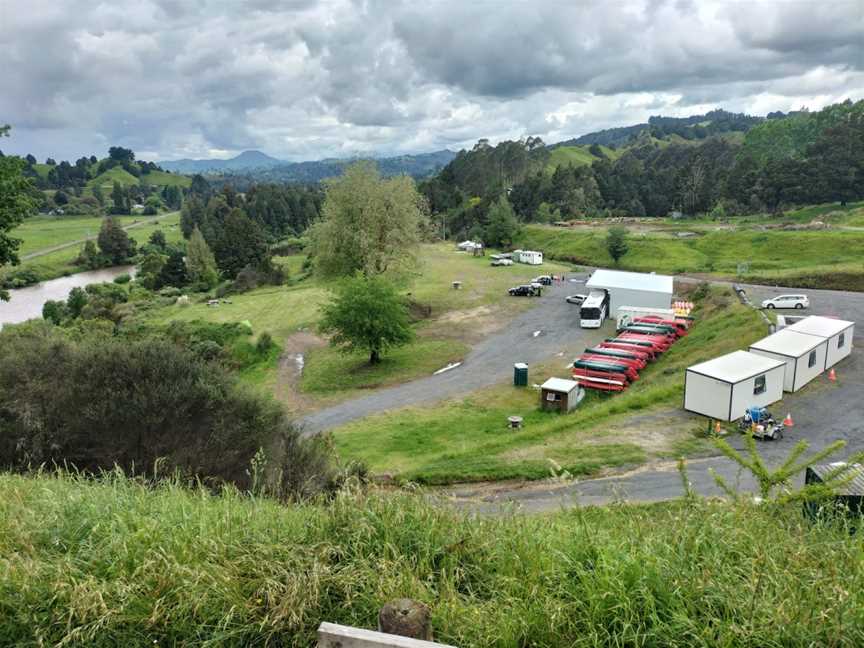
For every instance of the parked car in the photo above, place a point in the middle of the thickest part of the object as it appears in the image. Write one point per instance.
(787, 301)
(502, 262)
(543, 280)
(524, 291)
(576, 299)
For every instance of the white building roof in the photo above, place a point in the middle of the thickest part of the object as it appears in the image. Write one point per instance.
(788, 343)
(560, 385)
(821, 326)
(736, 366)
(632, 280)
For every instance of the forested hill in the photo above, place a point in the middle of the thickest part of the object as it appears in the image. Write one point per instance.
(782, 161)
(253, 166)
(695, 127)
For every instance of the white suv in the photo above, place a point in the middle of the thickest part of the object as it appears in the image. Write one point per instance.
(787, 301)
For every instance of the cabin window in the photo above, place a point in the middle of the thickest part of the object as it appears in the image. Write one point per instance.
(841, 340)
(759, 385)
(811, 361)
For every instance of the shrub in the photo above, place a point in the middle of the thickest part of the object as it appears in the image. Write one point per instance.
(101, 401)
(122, 279)
(265, 343)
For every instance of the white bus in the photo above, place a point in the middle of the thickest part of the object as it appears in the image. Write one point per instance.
(594, 310)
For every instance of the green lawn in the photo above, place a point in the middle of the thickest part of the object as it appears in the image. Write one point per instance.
(771, 254)
(164, 179)
(328, 370)
(107, 179)
(41, 232)
(467, 439)
(329, 375)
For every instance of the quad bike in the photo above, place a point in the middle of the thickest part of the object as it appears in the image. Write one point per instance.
(761, 424)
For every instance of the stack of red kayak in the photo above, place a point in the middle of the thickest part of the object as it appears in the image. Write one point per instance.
(615, 363)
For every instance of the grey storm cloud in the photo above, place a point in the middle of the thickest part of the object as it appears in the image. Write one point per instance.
(304, 79)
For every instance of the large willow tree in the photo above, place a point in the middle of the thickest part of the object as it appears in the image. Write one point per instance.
(368, 224)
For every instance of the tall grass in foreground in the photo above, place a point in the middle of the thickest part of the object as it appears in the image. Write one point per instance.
(111, 563)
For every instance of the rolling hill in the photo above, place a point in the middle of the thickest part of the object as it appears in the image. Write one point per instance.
(246, 161)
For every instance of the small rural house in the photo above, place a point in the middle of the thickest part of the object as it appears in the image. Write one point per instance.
(632, 288)
(560, 395)
(803, 354)
(531, 257)
(723, 388)
(469, 246)
(838, 333)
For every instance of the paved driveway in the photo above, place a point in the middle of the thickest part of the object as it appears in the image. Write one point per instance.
(541, 333)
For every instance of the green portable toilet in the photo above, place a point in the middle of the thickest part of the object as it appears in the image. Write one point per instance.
(520, 374)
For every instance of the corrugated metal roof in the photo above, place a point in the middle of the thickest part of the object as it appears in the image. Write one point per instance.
(855, 486)
(560, 385)
(736, 366)
(818, 325)
(632, 280)
(789, 342)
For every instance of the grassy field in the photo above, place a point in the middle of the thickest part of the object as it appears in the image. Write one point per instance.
(328, 374)
(772, 255)
(468, 440)
(576, 156)
(112, 563)
(42, 232)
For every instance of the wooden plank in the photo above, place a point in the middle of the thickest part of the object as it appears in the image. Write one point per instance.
(331, 635)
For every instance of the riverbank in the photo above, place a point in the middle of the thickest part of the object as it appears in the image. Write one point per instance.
(26, 303)
(50, 245)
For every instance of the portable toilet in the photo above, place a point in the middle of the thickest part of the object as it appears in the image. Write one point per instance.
(520, 374)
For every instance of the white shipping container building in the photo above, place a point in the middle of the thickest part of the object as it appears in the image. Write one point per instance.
(803, 354)
(723, 388)
(633, 288)
(531, 257)
(838, 333)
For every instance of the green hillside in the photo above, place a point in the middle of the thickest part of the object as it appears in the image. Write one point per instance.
(42, 169)
(577, 156)
(163, 179)
(116, 174)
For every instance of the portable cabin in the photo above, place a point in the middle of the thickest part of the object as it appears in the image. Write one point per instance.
(634, 289)
(560, 395)
(723, 388)
(803, 354)
(531, 257)
(838, 333)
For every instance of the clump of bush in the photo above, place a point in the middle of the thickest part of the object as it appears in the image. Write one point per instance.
(94, 401)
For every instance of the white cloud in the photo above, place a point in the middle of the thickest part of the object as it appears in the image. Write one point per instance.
(304, 80)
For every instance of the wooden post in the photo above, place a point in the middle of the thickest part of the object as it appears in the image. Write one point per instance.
(331, 635)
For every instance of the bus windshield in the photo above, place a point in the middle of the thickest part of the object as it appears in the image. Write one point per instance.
(589, 314)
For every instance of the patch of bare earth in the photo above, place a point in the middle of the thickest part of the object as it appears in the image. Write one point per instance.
(290, 370)
(468, 325)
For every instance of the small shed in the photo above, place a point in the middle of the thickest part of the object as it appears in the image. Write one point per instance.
(632, 288)
(723, 388)
(838, 333)
(803, 354)
(849, 497)
(560, 395)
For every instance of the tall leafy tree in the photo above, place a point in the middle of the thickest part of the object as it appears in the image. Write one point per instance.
(616, 243)
(366, 314)
(200, 260)
(369, 225)
(16, 202)
(173, 272)
(120, 198)
(192, 215)
(240, 243)
(503, 227)
(114, 242)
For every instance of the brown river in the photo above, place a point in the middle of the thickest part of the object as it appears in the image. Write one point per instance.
(26, 303)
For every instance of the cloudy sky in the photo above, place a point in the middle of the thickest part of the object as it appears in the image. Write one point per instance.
(301, 79)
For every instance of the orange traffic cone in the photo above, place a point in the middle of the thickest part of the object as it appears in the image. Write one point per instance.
(832, 375)
(788, 422)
